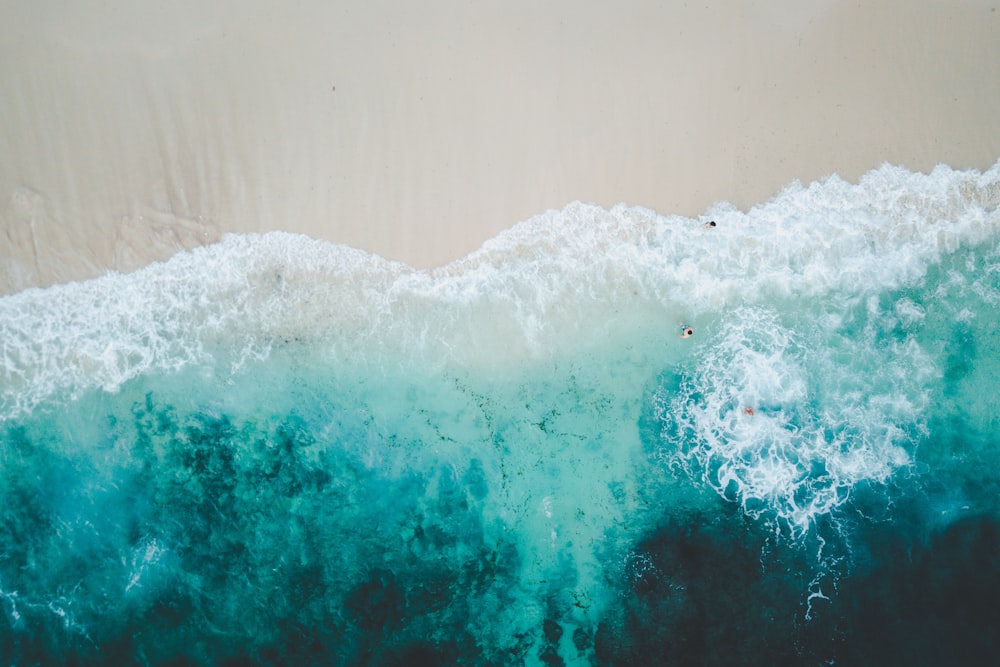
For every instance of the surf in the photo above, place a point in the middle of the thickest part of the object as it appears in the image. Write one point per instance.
(513, 457)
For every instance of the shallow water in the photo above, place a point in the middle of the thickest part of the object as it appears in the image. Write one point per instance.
(279, 451)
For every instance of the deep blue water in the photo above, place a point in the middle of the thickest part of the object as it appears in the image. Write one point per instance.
(279, 451)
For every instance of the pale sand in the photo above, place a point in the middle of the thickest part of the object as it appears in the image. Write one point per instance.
(419, 130)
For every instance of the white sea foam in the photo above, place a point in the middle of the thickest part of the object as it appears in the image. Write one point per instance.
(560, 277)
(787, 422)
(229, 301)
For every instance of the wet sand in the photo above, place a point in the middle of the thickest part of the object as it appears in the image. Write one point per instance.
(127, 134)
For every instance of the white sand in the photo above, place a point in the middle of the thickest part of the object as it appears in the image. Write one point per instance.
(132, 128)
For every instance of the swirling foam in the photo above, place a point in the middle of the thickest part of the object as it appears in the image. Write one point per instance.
(787, 423)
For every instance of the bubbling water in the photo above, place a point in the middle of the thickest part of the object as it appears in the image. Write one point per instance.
(787, 423)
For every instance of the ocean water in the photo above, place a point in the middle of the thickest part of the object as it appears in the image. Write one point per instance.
(274, 450)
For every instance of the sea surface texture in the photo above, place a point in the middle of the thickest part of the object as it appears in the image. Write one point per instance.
(278, 451)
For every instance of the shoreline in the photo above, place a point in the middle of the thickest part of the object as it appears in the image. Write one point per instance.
(420, 133)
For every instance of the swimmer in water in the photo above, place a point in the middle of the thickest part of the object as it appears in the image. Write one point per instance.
(686, 331)
(710, 223)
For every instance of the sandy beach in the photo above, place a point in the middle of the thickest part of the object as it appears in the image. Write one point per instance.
(129, 131)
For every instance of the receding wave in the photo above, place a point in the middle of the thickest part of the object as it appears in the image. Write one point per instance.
(606, 436)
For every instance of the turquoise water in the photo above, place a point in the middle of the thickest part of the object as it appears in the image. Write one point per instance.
(279, 451)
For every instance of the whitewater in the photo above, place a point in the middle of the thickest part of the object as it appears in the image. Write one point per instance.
(275, 450)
